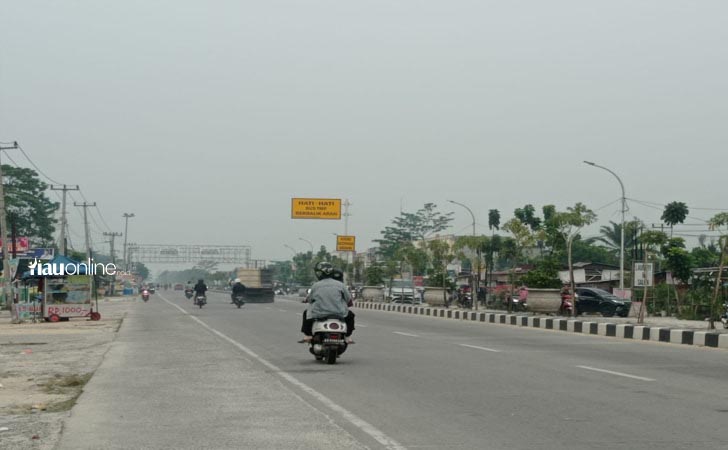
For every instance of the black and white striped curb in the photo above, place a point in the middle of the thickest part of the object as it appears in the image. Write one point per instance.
(625, 331)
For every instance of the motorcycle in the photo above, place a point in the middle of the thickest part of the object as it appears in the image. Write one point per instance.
(517, 304)
(329, 339)
(567, 306)
(465, 300)
(145, 295)
(724, 317)
(239, 300)
(200, 300)
(188, 293)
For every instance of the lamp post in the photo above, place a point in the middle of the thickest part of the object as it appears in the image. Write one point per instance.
(308, 242)
(476, 281)
(126, 217)
(621, 240)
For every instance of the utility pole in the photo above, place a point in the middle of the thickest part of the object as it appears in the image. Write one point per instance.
(126, 217)
(113, 258)
(85, 207)
(64, 221)
(346, 233)
(111, 245)
(7, 292)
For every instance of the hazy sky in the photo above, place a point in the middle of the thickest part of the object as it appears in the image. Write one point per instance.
(204, 118)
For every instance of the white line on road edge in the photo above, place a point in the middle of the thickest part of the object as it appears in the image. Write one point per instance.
(616, 373)
(404, 334)
(355, 420)
(480, 348)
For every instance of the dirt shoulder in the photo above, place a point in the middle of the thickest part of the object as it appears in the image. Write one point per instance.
(43, 368)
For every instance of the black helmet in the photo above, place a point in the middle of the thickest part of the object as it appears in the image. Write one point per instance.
(323, 270)
(338, 275)
(200, 281)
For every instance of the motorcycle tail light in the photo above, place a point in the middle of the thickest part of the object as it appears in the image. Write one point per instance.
(334, 326)
(333, 336)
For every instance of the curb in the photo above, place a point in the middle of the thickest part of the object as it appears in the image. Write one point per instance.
(618, 330)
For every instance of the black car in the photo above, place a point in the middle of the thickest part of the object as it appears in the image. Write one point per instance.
(594, 300)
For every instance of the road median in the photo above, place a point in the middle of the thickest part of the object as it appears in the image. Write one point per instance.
(656, 332)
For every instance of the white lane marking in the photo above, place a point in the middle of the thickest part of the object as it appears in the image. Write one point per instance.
(620, 374)
(355, 420)
(404, 334)
(282, 310)
(361, 325)
(480, 348)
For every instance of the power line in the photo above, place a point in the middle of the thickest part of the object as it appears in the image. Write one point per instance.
(36, 167)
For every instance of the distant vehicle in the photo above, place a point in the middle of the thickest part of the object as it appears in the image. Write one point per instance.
(401, 291)
(594, 300)
(258, 284)
(179, 287)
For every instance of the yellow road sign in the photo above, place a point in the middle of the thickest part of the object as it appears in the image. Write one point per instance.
(345, 243)
(316, 208)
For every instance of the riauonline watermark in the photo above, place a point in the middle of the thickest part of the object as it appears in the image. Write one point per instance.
(89, 267)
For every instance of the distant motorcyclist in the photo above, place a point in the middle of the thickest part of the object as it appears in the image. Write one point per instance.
(238, 289)
(328, 297)
(200, 288)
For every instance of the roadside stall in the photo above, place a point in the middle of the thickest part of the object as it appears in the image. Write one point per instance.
(66, 289)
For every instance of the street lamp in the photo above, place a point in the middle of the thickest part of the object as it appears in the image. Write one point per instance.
(293, 250)
(621, 242)
(308, 242)
(126, 217)
(474, 290)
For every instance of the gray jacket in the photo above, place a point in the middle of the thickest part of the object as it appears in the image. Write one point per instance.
(328, 297)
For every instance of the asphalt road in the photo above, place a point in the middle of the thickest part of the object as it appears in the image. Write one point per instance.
(408, 382)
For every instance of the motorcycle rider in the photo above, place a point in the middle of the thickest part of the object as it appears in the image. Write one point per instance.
(200, 289)
(328, 297)
(238, 289)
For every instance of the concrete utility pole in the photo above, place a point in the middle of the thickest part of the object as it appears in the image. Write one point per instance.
(113, 257)
(111, 245)
(7, 292)
(64, 222)
(85, 207)
(126, 217)
(476, 280)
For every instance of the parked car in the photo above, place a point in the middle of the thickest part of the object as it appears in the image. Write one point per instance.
(594, 300)
(179, 287)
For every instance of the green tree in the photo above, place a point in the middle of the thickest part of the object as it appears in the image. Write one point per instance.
(527, 216)
(544, 275)
(675, 213)
(719, 222)
(569, 224)
(411, 228)
(28, 206)
(680, 263)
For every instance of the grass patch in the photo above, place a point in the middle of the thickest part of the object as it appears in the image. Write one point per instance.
(64, 384)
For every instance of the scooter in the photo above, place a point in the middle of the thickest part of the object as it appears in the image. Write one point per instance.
(724, 317)
(145, 295)
(567, 306)
(188, 293)
(329, 339)
(200, 300)
(239, 300)
(518, 304)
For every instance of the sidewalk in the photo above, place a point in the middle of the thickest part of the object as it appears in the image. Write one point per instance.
(43, 369)
(167, 383)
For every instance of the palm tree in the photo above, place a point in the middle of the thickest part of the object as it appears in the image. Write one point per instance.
(675, 213)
